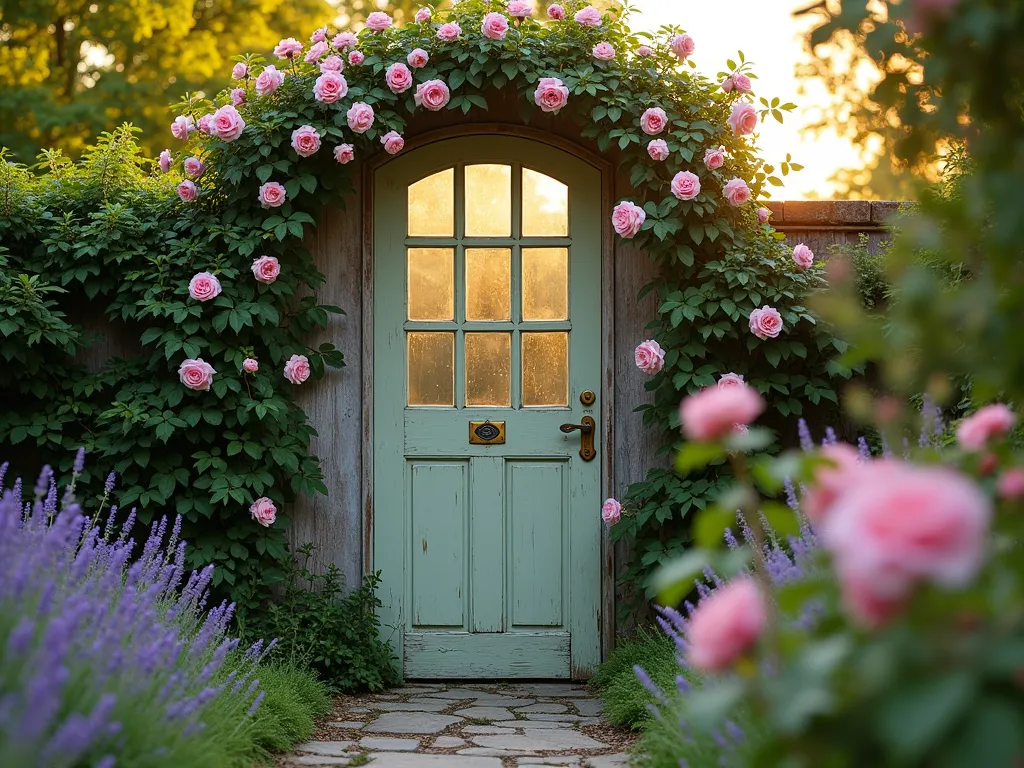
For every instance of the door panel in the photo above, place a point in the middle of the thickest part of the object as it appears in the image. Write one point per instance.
(487, 309)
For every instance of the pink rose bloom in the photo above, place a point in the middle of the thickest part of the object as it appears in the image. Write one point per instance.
(611, 511)
(417, 58)
(627, 218)
(520, 8)
(332, 64)
(449, 31)
(187, 191)
(378, 21)
(644, 51)
(393, 142)
(653, 121)
(556, 12)
(899, 524)
(736, 192)
(330, 87)
(682, 46)
(204, 286)
(742, 83)
(728, 84)
(288, 48)
(726, 625)
(803, 256)
(976, 430)
(250, 365)
(649, 357)
(263, 511)
(551, 94)
(685, 185)
(305, 140)
(423, 15)
(763, 214)
(360, 117)
(194, 167)
(196, 374)
(165, 161)
(344, 40)
(743, 119)
(588, 17)
(319, 35)
(238, 96)
(344, 153)
(269, 80)
(714, 158)
(240, 71)
(296, 370)
(355, 58)
(766, 322)
(272, 195)
(658, 150)
(495, 26)
(316, 52)
(1011, 483)
(433, 94)
(729, 380)
(715, 412)
(266, 269)
(204, 123)
(830, 481)
(226, 124)
(398, 77)
(182, 126)
(604, 52)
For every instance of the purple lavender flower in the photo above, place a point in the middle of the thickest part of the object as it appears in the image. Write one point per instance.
(806, 441)
(863, 451)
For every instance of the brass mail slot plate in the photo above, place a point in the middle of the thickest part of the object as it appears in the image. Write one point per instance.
(487, 432)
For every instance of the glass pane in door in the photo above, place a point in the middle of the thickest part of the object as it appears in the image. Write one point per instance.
(432, 205)
(488, 369)
(431, 284)
(488, 283)
(545, 206)
(488, 200)
(431, 361)
(545, 360)
(545, 284)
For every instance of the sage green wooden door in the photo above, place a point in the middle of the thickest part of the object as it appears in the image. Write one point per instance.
(487, 308)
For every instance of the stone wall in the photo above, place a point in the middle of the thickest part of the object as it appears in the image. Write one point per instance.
(821, 223)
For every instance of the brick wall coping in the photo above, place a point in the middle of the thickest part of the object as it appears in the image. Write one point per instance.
(833, 214)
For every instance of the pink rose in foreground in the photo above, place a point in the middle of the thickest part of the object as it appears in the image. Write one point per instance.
(433, 94)
(520, 8)
(604, 52)
(204, 286)
(240, 71)
(417, 58)
(204, 123)
(398, 77)
(830, 481)
(288, 48)
(729, 380)
(250, 365)
(296, 370)
(269, 80)
(588, 17)
(316, 52)
(653, 121)
(393, 142)
(682, 46)
(165, 161)
(627, 218)
(360, 117)
(649, 357)
(803, 256)
(551, 94)
(378, 21)
(742, 83)
(226, 124)
(976, 430)
(330, 87)
(644, 51)
(423, 15)
(305, 140)
(766, 322)
(266, 269)
(715, 412)
(344, 153)
(238, 96)
(1011, 483)
(355, 58)
(556, 12)
(611, 511)
(743, 119)
(658, 149)
(736, 192)
(332, 64)
(714, 158)
(196, 374)
(726, 625)
(272, 195)
(763, 214)
(899, 524)
(182, 126)
(495, 26)
(344, 40)
(187, 191)
(263, 511)
(318, 35)
(685, 185)
(449, 31)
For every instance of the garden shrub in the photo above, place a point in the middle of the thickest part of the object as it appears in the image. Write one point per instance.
(625, 698)
(294, 698)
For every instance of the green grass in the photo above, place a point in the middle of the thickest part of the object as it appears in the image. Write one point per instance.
(624, 696)
(295, 698)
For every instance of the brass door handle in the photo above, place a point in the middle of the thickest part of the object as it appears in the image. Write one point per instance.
(587, 429)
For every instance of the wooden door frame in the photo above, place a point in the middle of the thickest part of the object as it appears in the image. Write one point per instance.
(606, 169)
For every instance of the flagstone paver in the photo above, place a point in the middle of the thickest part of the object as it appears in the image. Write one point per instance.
(411, 722)
(545, 707)
(485, 713)
(389, 744)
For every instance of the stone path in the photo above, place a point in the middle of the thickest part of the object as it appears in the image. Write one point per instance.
(468, 726)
